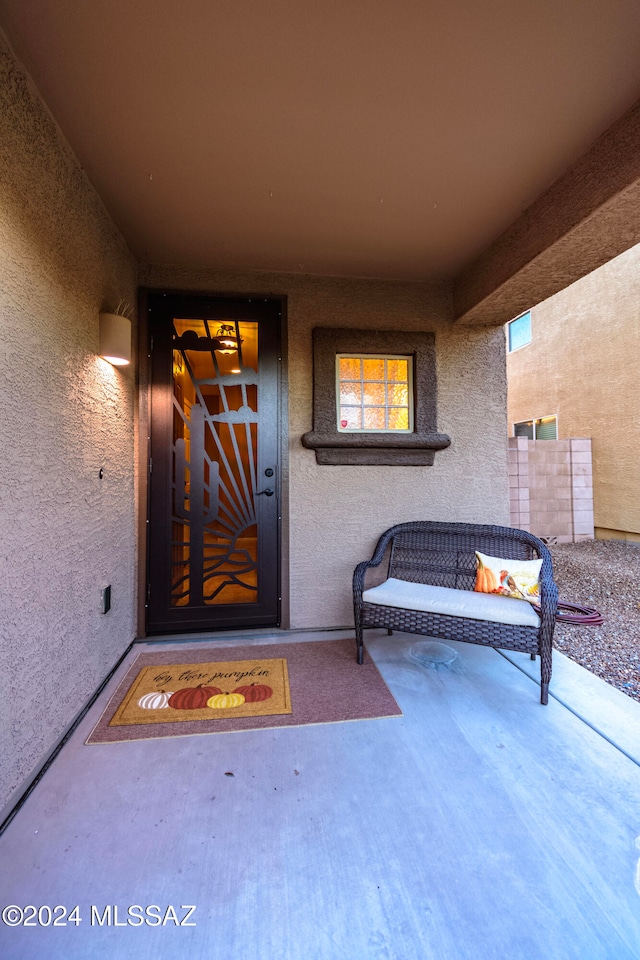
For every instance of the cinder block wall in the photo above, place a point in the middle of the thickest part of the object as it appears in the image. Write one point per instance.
(551, 488)
(585, 340)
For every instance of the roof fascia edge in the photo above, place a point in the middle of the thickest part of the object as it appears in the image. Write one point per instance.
(586, 218)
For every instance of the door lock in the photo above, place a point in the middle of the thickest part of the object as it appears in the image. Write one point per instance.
(268, 492)
(268, 472)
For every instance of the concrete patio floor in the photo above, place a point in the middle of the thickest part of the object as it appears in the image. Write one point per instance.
(480, 824)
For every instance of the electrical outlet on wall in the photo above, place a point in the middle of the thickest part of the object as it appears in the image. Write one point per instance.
(105, 599)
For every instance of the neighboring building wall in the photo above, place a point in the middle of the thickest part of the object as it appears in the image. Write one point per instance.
(66, 414)
(582, 365)
(551, 489)
(336, 513)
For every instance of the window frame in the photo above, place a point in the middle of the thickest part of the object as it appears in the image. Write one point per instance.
(386, 382)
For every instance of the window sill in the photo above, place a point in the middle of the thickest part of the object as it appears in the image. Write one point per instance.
(376, 449)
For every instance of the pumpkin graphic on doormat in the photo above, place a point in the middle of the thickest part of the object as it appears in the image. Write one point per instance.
(192, 698)
(255, 692)
(225, 700)
(155, 700)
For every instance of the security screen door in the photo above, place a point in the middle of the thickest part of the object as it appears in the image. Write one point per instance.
(214, 480)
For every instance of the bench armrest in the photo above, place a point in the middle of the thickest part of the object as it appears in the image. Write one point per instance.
(548, 595)
(375, 561)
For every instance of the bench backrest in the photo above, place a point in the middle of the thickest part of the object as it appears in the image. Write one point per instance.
(444, 555)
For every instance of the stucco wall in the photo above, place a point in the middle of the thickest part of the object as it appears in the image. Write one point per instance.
(66, 414)
(582, 365)
(336, 513)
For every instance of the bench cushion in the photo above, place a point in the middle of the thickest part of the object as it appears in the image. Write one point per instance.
(453, 603)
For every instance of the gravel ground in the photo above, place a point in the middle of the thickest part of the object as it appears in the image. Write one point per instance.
(604, 574)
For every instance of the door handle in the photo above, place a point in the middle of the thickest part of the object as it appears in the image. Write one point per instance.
(268, 492)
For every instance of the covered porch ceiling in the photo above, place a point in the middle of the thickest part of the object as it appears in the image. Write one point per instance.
(492, 145)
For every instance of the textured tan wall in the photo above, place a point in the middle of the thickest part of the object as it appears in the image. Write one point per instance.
(66, 413)
(582, 365)
(337, 512)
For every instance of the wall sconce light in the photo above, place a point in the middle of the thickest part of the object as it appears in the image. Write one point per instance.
(115, 339)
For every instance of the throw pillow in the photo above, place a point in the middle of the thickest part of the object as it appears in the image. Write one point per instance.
(509, 578)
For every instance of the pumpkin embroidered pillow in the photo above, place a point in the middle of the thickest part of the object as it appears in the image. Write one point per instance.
(509, 578)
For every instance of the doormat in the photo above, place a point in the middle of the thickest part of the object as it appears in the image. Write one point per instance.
(223, 689)
(252, 688)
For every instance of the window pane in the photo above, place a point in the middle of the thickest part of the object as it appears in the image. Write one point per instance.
(398, 394)
(546, 429)
(397, 370)
(398, 418)
(350, 392)
(351, 418)
(524, 429)
(374, 418)
(373, 369)
(349, 368)
(520, 332)
(374, 393)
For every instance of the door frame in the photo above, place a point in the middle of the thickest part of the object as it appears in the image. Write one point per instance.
(143, 439)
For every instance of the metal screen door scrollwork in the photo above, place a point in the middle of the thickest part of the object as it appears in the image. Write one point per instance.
(218, 479)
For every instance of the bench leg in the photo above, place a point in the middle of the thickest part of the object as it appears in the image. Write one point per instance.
(545, 675)
(389, 633)
(359, 640)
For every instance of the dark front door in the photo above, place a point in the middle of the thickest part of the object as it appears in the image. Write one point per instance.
(214, 477)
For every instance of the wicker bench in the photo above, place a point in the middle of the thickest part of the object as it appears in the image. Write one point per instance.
(429, 590)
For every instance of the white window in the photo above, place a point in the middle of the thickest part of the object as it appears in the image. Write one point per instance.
(374, 393)
(546, 428)
(519, 332)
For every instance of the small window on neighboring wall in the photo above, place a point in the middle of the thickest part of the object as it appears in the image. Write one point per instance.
(519, 332)
(374, 393)
(546, 428)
